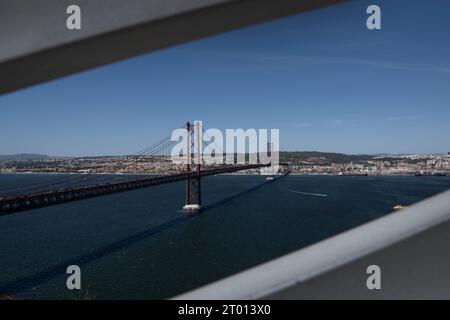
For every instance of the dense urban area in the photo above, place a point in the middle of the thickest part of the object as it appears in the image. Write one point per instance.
(307, 163)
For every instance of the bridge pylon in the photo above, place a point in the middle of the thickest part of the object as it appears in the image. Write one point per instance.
(193, 191)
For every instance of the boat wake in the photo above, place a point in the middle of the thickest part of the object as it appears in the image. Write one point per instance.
(304, 193)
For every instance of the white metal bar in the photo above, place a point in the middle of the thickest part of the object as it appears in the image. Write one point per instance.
(410, 246)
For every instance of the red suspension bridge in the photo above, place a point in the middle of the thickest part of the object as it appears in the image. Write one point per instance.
(69, 189)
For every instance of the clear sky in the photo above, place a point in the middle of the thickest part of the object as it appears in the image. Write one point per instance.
(321, 77)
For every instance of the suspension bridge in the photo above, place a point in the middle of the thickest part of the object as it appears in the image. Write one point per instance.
(77, 188)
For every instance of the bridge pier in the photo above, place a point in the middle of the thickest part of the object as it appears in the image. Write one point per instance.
(193, 191)
(192, 202)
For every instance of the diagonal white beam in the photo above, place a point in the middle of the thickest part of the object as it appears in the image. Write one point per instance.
(36, 46)
(410, 247)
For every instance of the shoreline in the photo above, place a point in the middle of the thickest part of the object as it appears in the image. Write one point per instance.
(225, 174)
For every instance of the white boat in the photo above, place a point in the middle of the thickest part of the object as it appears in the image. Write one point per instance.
(191, 208)
(398, 207)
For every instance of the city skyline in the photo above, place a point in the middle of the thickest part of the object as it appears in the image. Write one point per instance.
(332, 86)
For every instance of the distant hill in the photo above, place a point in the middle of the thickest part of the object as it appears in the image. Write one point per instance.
(315, 157)
(25, 156)
(322, 157)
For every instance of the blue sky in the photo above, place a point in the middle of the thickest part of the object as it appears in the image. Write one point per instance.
(321, 77)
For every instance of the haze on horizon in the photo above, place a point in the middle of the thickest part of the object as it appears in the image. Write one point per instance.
(322, 78)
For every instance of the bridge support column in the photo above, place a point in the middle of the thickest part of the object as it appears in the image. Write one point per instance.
(193, 196)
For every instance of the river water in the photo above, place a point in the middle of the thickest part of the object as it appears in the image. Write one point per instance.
(138, 245)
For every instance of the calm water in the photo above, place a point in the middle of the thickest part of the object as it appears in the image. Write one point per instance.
(138, 245)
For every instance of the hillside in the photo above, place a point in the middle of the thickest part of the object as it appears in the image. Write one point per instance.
(25, 156)
(317, 157)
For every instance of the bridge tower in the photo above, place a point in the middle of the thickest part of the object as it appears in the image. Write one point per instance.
(193, 191)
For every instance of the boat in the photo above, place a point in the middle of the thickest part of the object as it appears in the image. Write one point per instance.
(191, 208)
(350, 174)
(399, 207)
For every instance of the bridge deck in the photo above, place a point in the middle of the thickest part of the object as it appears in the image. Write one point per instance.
(25, 202)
